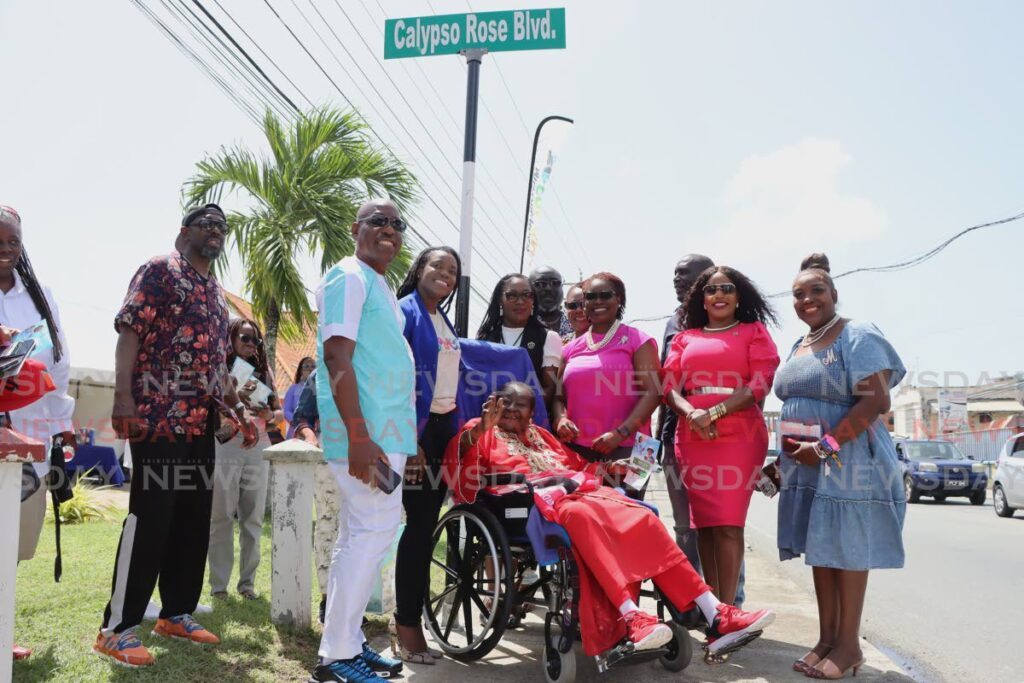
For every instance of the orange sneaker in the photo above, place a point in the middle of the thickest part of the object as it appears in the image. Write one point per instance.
(123, 648)
(184, 628)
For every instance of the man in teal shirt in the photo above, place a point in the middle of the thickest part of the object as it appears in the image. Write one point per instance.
(365, 395)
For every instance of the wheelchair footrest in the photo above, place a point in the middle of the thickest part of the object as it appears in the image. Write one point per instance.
(624, 651)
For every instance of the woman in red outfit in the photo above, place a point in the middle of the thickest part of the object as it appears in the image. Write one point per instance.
(617, 542)
(718, 372)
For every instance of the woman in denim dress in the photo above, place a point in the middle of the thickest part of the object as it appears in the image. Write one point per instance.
(842, 502)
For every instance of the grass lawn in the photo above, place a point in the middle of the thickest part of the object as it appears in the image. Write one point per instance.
(59, 622)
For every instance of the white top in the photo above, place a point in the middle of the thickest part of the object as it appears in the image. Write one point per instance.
(448, 356)
(513, 336)
(51, 414)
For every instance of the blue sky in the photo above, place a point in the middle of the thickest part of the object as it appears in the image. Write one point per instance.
(754, 132)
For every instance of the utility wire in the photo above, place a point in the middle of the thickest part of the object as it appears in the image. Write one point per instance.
(246, 55)
(185, 49)
(219, 48)
(381, 98)
(893, 267)
(486, 180)
(412, 110)
(239, 101)
(263, 52)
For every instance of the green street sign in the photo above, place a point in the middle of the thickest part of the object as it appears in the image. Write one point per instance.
(533, 29)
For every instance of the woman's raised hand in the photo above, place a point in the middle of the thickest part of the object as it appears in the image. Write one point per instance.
(492, 410)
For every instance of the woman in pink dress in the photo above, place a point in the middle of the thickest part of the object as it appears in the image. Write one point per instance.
(717, 373)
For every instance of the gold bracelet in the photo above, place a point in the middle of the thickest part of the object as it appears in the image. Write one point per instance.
(469, 433)
(717, 412)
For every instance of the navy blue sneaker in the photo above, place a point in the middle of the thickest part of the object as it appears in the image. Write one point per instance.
(385, 667)
(354, 670)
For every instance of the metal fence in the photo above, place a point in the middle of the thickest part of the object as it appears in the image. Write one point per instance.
(983, 445)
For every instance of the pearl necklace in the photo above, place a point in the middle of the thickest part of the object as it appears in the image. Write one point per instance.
(597, 346)
(812, 338)
(721, 329)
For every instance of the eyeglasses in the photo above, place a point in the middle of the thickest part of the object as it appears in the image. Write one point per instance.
(518, 296)
(710, 290)
(606, 295)
(379, 220)
(209, 225)
(573, 305)
(248, 339)
(547, 284)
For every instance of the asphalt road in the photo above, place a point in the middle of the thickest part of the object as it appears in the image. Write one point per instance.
(953, 613)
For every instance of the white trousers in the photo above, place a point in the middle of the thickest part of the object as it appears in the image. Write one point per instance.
(368, 521)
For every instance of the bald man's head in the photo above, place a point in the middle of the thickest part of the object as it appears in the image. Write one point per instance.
(686, 272)
(377, 205)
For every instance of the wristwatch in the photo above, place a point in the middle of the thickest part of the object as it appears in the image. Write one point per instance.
(623, 431)
(239, 407)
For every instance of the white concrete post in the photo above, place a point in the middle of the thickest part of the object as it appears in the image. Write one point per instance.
(292, 464)
(15, 450)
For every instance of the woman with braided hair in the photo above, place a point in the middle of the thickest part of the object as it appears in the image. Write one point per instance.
(25, 302)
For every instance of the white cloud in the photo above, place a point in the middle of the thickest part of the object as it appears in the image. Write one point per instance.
(791, 200)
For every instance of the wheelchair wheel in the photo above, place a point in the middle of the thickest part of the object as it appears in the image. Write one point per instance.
(471, 583)
(680, 649)
(559, 667)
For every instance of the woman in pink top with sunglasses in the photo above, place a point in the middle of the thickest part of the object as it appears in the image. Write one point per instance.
(609, 378)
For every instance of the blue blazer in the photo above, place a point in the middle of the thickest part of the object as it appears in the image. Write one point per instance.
(483, 368)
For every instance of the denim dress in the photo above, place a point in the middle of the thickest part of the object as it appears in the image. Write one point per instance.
(850, 517)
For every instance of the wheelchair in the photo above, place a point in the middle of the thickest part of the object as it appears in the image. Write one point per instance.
(497, 558)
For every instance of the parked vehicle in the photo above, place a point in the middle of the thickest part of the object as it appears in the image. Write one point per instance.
(939, 470)
(1008, 482)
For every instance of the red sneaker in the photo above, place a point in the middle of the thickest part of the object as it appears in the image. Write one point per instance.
(21, 652)
(184, 628)
(123, 648)
(645, 631)
(733, 628)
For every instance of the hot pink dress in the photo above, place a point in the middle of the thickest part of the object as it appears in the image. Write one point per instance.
(720, 474)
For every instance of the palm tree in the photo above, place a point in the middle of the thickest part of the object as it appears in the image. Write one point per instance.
(303, 199)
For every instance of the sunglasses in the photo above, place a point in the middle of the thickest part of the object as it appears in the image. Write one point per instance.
(210, 225)
(573, 305)
(710, 290)
(379, 220)
(547, 284)
(249, 339)
(606, 295)
(518, 296)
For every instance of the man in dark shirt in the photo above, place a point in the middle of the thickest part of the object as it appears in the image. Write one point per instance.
(170, 372)
(686, 273)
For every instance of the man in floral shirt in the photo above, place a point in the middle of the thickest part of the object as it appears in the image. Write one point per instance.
(170, 378)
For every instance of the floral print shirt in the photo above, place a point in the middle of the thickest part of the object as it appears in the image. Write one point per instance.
(181, 318)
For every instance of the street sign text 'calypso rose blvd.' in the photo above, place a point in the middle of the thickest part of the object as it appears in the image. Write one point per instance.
(533, 29)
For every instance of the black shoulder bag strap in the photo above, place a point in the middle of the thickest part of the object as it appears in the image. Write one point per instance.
(60, 492)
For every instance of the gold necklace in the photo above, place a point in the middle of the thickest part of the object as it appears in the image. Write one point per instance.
(721, 329)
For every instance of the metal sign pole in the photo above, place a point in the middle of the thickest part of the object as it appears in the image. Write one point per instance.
(473, 59)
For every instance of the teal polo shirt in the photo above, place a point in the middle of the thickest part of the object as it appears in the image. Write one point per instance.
(354, 301)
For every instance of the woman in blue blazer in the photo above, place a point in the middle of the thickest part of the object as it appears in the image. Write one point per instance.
(425, 296)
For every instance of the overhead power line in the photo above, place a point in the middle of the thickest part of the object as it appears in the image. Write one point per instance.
(892, 267)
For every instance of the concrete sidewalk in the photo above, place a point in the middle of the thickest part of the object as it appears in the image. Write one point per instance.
(770, 658)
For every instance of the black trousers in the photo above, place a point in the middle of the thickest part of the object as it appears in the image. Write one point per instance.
(422, 504)
(167, 531)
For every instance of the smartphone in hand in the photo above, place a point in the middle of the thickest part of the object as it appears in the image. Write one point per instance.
(387, 479)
